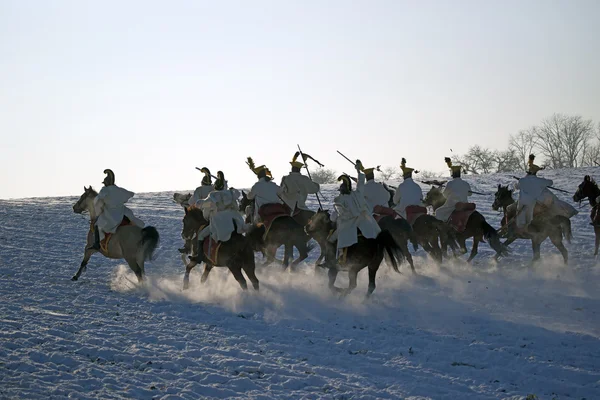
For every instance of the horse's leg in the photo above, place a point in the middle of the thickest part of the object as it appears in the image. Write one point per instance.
(186, 277)
(462, 243)
(436, 251)
(236, 270)
(352, 279)
(249, 268)
(332, 274)
(207, 268)
(597, 233)
(288, 253)
(270, 252)
(86, 258)
(476, 240)
(536, 245)
(139, 272)
(372, 274)
(404, 246)
(556, 239)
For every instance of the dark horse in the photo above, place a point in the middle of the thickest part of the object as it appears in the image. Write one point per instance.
(589, 189)
(284, 231)
(365, 253)
(538, 230)
(235, 254)
(426, 230)
(477, 228)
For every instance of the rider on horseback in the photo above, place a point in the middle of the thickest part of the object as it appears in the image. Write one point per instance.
(456, 191)
(295, 188)
(534, 190)
(221, 209)
(408, 192)
(352, 214)
(375, 193)
(110, 209)
(265, 191)
(204, 189)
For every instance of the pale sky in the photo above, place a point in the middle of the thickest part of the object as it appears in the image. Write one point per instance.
(152, 89)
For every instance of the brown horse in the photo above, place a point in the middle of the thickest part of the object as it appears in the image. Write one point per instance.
(477, 228)
(366, 253)
(542, 226)
(589, 189)
(284, 231)
(129, 242)
(235, 254)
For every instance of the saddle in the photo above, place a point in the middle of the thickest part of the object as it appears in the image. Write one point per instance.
(270, 212)
(211, 249)
(460, 216)
(414, 212)
(104, 242)
(380, 212)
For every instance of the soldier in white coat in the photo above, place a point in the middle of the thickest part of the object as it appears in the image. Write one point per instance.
(295, 188)
(263, 192)
(456, 191)
(375, 193)
(534, 190)
(221, 209)
(353, 215)
(110, 209)
(408, 192)
(204, 189)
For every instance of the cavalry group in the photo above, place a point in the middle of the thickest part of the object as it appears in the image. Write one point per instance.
(355, 210)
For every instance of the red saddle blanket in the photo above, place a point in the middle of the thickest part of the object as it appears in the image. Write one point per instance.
(211, 249)
(460, 216)
(379, 212)
(270, 212)
(414, 212)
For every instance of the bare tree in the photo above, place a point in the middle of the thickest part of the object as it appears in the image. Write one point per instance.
(591, 154)
(324, 176)
(477, 160)
(430, 174)
(507, 161)
(388, 173)
(523, 144)
(562, 139)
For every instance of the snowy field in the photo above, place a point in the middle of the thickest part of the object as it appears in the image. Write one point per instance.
(456, 331)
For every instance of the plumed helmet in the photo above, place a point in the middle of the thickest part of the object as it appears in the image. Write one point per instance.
(220, 181)
(110, 177)
(346, 181)
(533, 169)
(207, 179)
(294, 162)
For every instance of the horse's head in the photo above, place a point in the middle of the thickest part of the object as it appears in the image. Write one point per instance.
(434, 197)
(181, 199)
(319, 222)
(586, 189)
(503, 198)
(244, 202)
(85, 200)
(192, 221)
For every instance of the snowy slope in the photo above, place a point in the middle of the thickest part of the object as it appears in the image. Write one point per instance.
(481, 331)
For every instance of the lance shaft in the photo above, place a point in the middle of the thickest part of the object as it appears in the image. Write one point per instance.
(349, 160)
(309, 177)
(549, 187)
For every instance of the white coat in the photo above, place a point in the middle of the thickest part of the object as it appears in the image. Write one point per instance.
(456, 191)
(407, 194)
(354, 213)
(533, 190)
(221, 209)
(110, 209)
(295, 188)
(263, 192)
(376, 195)
(200, 193)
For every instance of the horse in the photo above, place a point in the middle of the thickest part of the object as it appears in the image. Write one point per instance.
(538, 230)
(235, 254)
(284, 231)
(366, 253)
(190, 245)
(426, 230)
(589, 189)
(132, 243)
(476, 227)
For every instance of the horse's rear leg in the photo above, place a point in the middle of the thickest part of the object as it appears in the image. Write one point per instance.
(352, 279)
(332, 275)
(249, 269)
(186, 277)
(207, 268)
(137, 269)
(404, 246)
(476, 240)
(270, 252)
(83, 265)
(372, 274)
(597, 232)
(288, 253)
(556, 239)
(236, 270)
(536, 246)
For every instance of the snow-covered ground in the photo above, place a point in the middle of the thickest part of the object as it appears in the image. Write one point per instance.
(456, 331)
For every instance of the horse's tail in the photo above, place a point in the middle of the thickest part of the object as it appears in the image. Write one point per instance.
(565, 227)
(150, 239)
(493, 238)
(445, 233)
(392, 250)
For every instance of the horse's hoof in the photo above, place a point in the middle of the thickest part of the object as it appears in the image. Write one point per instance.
(74, 278)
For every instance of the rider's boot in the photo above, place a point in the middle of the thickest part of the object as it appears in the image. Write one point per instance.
(330, 256)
